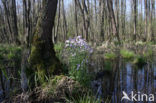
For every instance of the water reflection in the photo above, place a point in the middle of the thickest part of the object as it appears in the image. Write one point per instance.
(113, 77)
(9, 82)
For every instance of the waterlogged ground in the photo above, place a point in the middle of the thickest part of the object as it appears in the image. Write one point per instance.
(115, 76)
(112, 77)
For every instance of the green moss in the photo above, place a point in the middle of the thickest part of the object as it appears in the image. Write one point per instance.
(139, 61)
(127, 54)
(110, 55)
(43, 59)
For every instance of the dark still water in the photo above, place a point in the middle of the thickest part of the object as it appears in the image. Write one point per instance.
(113, 77)
(114, 80)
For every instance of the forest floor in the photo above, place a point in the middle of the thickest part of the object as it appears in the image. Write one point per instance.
(73, 82)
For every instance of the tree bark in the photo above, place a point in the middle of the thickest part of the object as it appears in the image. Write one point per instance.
(43, 58)
(84, 10)
(14, 21)
(135, 18)
(27, 21)
(64, 21)
(123, 13)
(58, 22)
(146, 15)
(112, 17)
(76, 19)
(152, 20)
(7, 15)
(102, 20)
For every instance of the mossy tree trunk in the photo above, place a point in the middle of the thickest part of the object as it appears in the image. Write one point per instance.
(42, 58)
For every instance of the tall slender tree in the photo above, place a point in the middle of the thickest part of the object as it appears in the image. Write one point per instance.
(14, 21)
(135, 18)
(113, 20)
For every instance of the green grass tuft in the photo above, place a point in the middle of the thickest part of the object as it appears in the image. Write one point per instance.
(85, 99)
(127, 54)
(110, 55)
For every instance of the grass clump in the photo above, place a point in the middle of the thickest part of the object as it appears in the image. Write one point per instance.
(12, 54)
(140, 61)
(61, 87)
(58, 49)
(85, 99)
(127, 54)
(148, 53)
(50, 87)
(110, 55)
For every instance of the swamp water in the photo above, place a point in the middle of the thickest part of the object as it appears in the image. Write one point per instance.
(113, 77)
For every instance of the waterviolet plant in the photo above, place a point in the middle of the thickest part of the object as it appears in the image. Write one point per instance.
(80, 43)
(78, 52)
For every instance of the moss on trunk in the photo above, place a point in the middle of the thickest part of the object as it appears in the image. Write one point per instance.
(42, 58)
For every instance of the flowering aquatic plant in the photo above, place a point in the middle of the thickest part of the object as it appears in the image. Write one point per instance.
(78, 51)
(78, 42)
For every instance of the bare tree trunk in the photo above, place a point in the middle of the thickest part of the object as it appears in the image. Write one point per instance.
(7, 15)
(117, 15)
(65, 22)
(14, 21)
(152, 20)
(135, 18)
(146, 15)
(123, 13)
(26, 21)
(102, 4)
(76, 19)
(3, 31)
(95, 12)
(58, 22)
(111, 13)
(84, 10)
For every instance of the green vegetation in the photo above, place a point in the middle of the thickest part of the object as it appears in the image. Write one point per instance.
(139, 61)
(10, 53)
(78, 68)
(108, 65)
(85, 99)
(110, 55)
(61, 87)
(74, 49)
(10, 56)
(127, 54)
(50, 86)
(58, 49)
(148, 53)
(43, 60)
